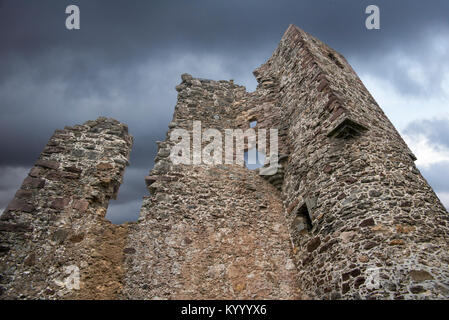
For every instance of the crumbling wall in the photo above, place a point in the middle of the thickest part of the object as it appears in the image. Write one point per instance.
(209, 232)
(363, 221)
(55, 224)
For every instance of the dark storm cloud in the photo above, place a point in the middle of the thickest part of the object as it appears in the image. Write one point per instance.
(211, 24)
(128, 56)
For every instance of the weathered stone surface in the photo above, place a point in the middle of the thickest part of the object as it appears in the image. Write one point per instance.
(33, 183)
(59, 236)
(129, 250)
(48, 164)
(24, 194)
(104, 166)
(36, 172)
(420, 275)
(15, 227)
(73, 169)
(59, 203)
(50, 225)
(313, 244)
(367, 223)
(77, 238)
(20, 205)
(81, 205)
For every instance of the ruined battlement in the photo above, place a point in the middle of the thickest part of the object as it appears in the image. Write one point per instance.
(346, 216)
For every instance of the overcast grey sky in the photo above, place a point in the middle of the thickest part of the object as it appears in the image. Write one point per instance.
(128, 56)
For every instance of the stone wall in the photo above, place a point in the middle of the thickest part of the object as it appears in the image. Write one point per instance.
(56, 219)
(209, 232)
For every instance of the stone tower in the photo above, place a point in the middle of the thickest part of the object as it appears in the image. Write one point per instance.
(346, 216)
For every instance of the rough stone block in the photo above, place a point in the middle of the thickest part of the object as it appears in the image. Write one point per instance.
(48, 164)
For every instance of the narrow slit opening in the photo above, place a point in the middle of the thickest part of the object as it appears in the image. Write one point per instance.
(335, 60)
(303, 212)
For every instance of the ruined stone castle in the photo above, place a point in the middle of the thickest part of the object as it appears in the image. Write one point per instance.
(346, 216)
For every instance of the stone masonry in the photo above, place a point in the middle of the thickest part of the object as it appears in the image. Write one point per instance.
(346, 216)
(56, 219)
(209, 232)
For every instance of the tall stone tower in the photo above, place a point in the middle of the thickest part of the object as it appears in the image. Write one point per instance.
(375, 228)
(347, 215)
